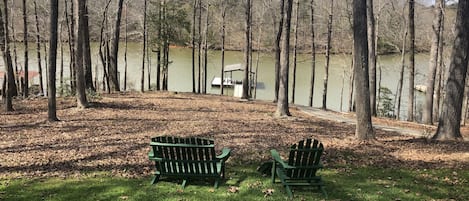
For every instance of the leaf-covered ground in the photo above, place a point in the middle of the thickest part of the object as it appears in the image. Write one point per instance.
(113, 135)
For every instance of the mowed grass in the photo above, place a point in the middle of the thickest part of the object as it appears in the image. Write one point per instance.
(245, 183)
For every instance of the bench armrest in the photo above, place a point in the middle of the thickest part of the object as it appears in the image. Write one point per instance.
(277, 159)
(225, 154)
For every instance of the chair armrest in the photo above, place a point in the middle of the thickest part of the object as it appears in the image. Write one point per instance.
(151, 154)
(277, 159)
(225, 154)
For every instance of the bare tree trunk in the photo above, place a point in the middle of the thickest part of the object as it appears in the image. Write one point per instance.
(223, 27)
(5, 46)
(401, 76)
(126, 47)
(351, 84)
(199, 45)
(372, 54)
(204, 90)
(38, 49)
(52, 106)
(246, 80)
(71, 38)
(428, 110)
(295, 51)
(410, 100)
(113, 70)
(26, 57)
(158, 51)
(103, 44)
(142, 82)
(450, 118)
(87, 54)
(328, 52)
(278, 50)
(61, 76)
(15, 55)
(80, 29)
(436, 105)
(282, 104)
(313, 57)
(194, 14)
(364, 130)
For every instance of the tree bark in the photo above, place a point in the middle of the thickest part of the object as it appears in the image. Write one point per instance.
(313, 57)
(204, 90)
(282, 104)
(401, 76)
(194, 14)
(364, 128)
(223, 27)
(199, 48)
(410, 100)
(328, 52)
(278, 40)
(87, 54)
(295, 50)
(126, 47)
(79, 36)
(246, 80)
(142, 82)
(26, 55)
(436, 105)
(5, 46)
(38, 49)
(113, 70)
(372, 54)
(450, 118)
(54, 15)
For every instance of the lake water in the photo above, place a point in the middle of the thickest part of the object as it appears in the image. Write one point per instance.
(180, 73)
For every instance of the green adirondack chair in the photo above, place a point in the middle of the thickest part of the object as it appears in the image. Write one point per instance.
(301, 167)
(187, 158)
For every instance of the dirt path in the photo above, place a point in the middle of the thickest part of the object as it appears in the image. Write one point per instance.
(350, 120)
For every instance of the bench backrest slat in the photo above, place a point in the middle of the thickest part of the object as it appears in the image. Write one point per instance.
(185, 155)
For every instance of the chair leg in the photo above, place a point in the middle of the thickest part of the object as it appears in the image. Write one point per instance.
(273, 171)
(216, 183)
(155, 179)
(184, 183)
(288, 189)
(323, 191)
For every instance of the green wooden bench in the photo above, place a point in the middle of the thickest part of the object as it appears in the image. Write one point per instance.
(301, 167)
(187, 158)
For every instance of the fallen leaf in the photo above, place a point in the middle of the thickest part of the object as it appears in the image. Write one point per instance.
(268, 192)
(233, 189)
(124, 197)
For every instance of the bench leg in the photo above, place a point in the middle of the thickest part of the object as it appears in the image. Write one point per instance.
(184, 183)
(155, 179)
(216, 183)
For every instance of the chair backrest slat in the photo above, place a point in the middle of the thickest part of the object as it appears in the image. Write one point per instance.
(305, 155)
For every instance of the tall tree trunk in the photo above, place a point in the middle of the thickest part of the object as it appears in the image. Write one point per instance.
(313, 57)
(103, 44)
(372, 54)
(223, 27)
(26, 55)
(126, 47)
(38, 49)
(5, 46)
(54, 15)
(113, 70)
(401, 76)
(364, 129)
(79, 35)
(328, 52)
(450, 118)
(87, 54)
(158, 51)
(71, 39)
(15, 54)
(199, 46)
(142, 82)
(282, 104)
(432, 68)
(278, 40)
(61, 76)
(295, 50)
(204, 90)
(351, 84)
(247, 30)
(194, 14)
(436, 105)
(410, 101)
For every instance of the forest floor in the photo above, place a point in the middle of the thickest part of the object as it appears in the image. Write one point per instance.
(114, 134)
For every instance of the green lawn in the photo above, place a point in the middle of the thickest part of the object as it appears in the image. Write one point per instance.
(244, 183)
